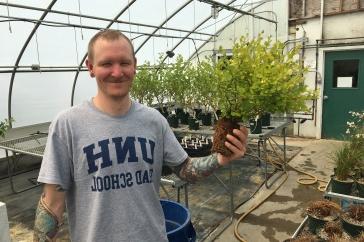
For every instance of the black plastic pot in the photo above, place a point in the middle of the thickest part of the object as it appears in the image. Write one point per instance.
(206, 119)
(193, 123)
(205, 150)
(255, 126)
(342, 187)
(183, 118)
(315, 224)
(360, 188)
(198, 112)
(352, 229)
(179, 111)
(265, 119)
(163, 111)
(173, 121)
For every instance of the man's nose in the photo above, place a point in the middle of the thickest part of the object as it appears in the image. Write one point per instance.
(117, 70)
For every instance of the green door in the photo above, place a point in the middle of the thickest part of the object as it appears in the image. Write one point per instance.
(343, 90)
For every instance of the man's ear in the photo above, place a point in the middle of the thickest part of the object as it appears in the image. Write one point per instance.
(90, 67)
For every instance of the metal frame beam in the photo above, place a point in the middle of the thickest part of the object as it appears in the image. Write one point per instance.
(227, 7)
(21, 54)
(164, 22)
(96, 18)
(63, 24)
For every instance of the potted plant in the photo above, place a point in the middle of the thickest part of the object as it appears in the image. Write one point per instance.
(143, 84)
(320, 212)
(260, 77)
(177, 83)
(342, 181)
(355, 133)
(203, 87)
(353, 219)
(331, 230)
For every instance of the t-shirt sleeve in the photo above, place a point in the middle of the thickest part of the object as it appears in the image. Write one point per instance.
(55, 168)
(174, 154)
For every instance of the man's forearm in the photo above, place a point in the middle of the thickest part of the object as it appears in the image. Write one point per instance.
(49, 214)
(194, 168)
(46, 224)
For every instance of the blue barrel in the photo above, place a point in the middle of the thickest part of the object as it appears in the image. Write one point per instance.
(178, 222)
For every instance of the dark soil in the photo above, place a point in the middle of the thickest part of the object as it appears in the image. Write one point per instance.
(223, 127)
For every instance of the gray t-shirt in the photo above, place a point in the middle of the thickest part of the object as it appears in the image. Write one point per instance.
(110, 168)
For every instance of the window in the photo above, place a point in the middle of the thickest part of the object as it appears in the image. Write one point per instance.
(345, 73)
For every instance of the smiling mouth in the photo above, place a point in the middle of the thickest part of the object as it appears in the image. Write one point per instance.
(115, 81)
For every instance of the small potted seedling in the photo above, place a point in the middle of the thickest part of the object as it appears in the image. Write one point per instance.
(342, 181)
(353, 219)
(331, 230)
(320, 212)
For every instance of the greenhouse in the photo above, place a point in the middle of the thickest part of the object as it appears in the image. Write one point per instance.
(182, 120)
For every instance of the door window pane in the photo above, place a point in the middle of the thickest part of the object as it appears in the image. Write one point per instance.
(345, 73)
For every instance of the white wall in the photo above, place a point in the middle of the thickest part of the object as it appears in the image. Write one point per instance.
(336, 26)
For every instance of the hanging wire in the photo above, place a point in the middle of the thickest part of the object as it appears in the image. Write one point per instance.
(165, 11)
(37, 45)
(194, 15)
(129, 19)
(154, 60)
(79, 11)
(7, 8)
(76, 45)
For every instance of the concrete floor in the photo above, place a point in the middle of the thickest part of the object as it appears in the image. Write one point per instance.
(275, 220)
(280, 215)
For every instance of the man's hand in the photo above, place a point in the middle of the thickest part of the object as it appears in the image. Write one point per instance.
(236, 144)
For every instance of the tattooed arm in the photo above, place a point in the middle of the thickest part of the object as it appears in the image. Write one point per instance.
(49, 213)
(194, 168)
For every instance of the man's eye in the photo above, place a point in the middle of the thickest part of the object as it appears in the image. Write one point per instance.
(106, 64)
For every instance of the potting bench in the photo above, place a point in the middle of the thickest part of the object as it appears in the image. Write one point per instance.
(342, 197)
(28, 140)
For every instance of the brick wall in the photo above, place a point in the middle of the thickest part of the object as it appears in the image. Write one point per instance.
(312, 8)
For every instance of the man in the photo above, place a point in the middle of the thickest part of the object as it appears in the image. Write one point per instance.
(104, 157)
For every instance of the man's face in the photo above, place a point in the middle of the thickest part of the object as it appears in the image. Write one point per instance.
(113, 65)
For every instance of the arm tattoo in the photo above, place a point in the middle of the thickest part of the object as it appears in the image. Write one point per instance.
(46, 223)
(194, 168)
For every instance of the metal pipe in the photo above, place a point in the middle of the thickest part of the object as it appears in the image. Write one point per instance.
(43, 70)
(95, 18)
(303, 8)
(227, 7)
(62, 24)
(220, 30)
(164, 22)
(322, 19)
(20, 56)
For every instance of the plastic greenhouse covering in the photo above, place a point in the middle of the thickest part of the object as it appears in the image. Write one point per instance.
(43, 44)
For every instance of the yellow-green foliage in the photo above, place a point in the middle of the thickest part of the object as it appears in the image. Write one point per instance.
(260, 77)
(203, 85)
(144, 83)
